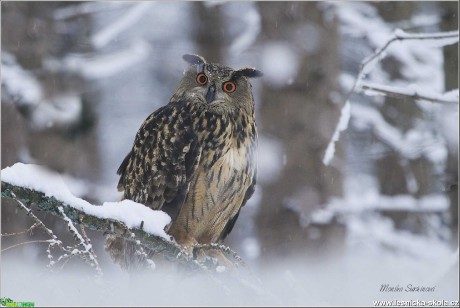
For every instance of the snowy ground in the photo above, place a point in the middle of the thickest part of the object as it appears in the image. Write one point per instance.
(354, 280)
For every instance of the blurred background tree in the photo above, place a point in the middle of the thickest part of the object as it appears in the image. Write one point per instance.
(299, 109)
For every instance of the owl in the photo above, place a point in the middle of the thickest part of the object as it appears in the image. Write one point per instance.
(195, 158)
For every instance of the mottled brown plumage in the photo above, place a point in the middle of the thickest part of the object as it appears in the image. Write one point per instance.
(195, 157)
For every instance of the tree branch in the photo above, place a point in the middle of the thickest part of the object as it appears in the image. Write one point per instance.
(85, 8)
(29, 199)
(398, 35)
(400, 92)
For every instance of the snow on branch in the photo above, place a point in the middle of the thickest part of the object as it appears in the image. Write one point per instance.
(85, 8)
(19, 85)
(412, 92)
(341, 126)
(364, 215)
(30, 199)
(365, 204)
(35, 188)
(442, 38)
(103, 37)
(127, 212)
(107, 64)
(449, 37)
(251, 19)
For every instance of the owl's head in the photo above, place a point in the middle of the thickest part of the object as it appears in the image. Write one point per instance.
(218, 86)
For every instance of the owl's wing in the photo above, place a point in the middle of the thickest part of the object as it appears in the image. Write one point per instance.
(164, 156)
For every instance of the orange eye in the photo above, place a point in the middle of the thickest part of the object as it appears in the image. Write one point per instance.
(201, 79)
(229, 87)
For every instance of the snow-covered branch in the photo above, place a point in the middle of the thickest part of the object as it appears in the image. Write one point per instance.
(30, 199)
(104, 36)
(37, 189)
(341, 126)
(408, 92)
(444, 38)
(85, 8)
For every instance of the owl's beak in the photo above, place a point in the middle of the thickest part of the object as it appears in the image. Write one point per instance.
(211, 95)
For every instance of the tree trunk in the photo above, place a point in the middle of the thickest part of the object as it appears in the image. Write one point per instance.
(449, 23)
(302, 117)
(207, 31)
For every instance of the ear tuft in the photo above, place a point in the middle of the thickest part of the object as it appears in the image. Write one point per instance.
(194, 59)
(249, 72)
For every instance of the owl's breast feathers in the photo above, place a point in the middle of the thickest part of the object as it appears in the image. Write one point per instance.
(196, 165)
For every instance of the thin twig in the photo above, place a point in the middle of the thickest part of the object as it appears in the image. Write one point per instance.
(83, 233)
(21, 232)
(39, 222)
(53, 241)
(25, 243)
(88, 252)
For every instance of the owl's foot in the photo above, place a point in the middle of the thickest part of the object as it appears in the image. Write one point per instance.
(187, 245)
(205, 254)
(216, 257)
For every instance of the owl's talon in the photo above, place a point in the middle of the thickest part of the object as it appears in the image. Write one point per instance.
(218, 259)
